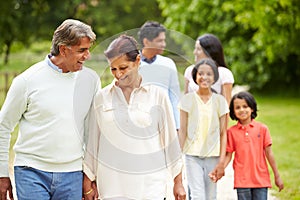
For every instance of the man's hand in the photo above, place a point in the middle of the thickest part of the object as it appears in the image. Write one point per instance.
(5, 186)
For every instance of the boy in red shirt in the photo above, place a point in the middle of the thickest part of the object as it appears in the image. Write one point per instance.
(251, 142)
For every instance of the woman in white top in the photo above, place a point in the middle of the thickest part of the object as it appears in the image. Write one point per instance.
(209, 46)
(133, 146)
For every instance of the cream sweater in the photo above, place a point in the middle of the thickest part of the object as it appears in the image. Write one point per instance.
(51, 109)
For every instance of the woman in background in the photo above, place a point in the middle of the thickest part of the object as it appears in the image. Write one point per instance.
(209, 46)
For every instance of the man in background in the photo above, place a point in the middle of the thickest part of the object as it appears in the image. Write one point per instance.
(155, 68)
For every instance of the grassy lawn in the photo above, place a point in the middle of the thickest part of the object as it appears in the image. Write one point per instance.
(280, 114)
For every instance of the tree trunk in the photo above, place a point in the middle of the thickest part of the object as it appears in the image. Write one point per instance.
(7, 52)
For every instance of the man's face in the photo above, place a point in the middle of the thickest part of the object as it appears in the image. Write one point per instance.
(158, 44)
(76, 55)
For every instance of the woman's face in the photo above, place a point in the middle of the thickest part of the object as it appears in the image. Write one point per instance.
(124, 71)
(198, 52)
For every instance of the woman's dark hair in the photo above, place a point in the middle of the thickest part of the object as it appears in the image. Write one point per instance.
(249, 100)
(212, 47)
(207, 61)
(123, 45)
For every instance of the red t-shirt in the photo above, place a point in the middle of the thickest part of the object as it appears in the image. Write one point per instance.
(249, 164)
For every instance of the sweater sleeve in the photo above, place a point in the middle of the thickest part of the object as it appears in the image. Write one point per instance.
(11, 112)
(90, 162)
(174, 94)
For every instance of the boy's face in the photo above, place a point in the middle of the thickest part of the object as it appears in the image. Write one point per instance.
(242, 111)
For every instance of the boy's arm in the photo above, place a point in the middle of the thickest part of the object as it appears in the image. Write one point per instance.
(212, 175)
(227, 158)
(271, 160)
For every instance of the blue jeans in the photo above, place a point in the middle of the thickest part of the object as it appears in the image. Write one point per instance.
(199, 184)
(252, 193)
(34, 184)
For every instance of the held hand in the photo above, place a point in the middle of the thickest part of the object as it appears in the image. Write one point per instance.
(179, 192)
(217, 173)
(5, 185)
(213, 177)
(279, 183)
(92, 193)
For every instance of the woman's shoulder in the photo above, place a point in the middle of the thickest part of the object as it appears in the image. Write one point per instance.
(224, 70)
(226, 75)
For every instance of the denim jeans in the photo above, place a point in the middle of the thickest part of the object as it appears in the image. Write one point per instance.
(34, 184)
(252, 193)
(199, 184)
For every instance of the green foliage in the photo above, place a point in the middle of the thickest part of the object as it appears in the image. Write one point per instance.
(260, 38)
(27, 21)
(112, 17)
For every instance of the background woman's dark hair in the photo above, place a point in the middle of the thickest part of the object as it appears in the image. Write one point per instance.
(209, 62)
(212, 46)
(123, 45)
(249, 100)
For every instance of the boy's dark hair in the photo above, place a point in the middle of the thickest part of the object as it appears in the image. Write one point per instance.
(150, 30)
(249, 100)
(209, 62)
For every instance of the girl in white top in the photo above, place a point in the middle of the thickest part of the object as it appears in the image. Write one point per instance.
(202, 135)
(209, 46)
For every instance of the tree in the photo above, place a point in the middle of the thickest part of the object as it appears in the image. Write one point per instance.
(27, 21)
(260, 38)
(14, 25)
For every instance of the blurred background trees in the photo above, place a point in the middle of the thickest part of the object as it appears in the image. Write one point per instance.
(260, 38)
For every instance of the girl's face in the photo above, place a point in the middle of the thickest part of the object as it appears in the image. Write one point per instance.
(198, 52)
(205, 76)
(124, 71)
(242, 111)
